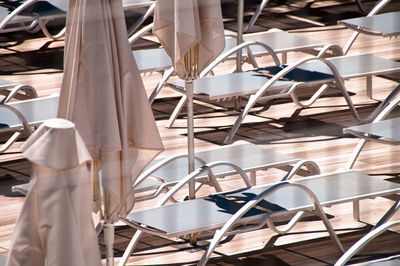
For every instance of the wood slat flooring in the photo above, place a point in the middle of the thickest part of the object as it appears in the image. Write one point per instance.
(314, 133)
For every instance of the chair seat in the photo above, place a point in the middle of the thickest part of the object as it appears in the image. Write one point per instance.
(35, 111)
(386, 24)
(388, 129)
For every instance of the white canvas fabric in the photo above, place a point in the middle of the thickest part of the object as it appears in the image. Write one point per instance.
(44, 145)
(103, 94)
(55, 225)
(183, 24)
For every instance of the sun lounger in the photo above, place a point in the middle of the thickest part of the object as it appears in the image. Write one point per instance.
(234, 212)
(360, 244)
(33, 15)
(249, 157)
(282, 82)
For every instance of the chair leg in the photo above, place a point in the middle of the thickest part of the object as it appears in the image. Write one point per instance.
(176, 111)
(356, 210)
(131, 246)
(160, 84)
(388, 214)
(255, 16)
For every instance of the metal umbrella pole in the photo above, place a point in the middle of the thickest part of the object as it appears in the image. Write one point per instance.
(239, 34)
(240, 12)
(191, 59)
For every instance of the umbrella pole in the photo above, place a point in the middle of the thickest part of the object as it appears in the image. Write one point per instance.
(109, 242)
(108, 226)
(190, 131)
(191, 60)
(240, 11)
(239, 34)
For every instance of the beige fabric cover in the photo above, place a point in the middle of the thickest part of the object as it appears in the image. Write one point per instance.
(103, 94)
(55, 225)
(182, 24)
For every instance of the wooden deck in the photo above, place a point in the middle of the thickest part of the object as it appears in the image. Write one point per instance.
(314, 133)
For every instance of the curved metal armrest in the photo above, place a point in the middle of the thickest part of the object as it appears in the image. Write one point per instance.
(311, 166)
(29, 91)
(16, 134)
(254, 97)
(291, 67)
(16, 11)
(336, 50)
(198, 172)
(20, 116)
(233, 50)
(159, 165)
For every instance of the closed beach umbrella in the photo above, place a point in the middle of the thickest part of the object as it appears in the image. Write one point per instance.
(55, 225)
(103, 94)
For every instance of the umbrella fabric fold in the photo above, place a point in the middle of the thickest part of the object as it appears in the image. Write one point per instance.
(55, 225)
(44, 146)
(103, 94)
(181, 25)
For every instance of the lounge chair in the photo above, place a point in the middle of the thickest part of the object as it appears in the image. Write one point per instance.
(360, 244)
(33, 15)
(252, 208)
(283, 81)
(165, 173)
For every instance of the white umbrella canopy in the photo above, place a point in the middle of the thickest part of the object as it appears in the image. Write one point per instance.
(55, 225)
(103, 94)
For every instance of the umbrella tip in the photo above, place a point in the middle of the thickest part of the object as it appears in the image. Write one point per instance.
(58, 123)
